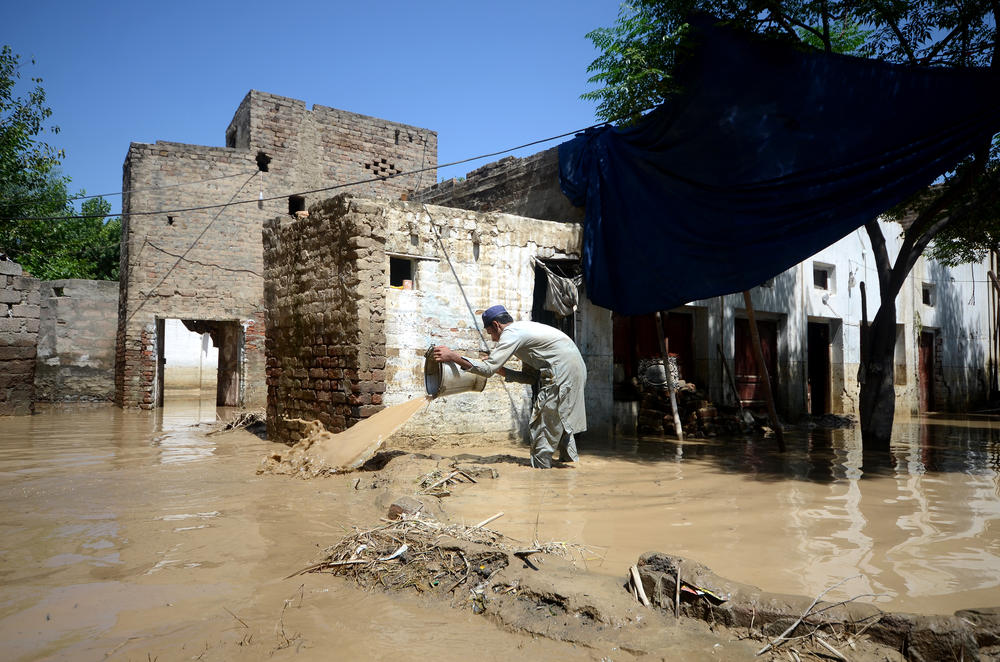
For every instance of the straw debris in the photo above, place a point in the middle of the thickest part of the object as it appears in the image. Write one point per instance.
(429, 556)
(245, 419)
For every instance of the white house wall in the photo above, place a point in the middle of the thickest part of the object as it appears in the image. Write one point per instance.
(960, 318)
(492, 255)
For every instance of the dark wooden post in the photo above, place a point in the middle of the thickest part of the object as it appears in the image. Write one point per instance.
(671, 386)
(864, 330)
(762, 368)
(729, 376)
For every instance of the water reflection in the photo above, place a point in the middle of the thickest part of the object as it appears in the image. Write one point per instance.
(918, 521)
(178, 420)
(970, 446)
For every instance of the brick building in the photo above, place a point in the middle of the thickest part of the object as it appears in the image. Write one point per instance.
(360, 288)
(202, 263)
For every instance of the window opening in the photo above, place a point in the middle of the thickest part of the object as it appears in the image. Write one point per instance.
(382, 168)
(401, 272)
(262, 161)
(821, 278)
(296, 203)
(927, 295)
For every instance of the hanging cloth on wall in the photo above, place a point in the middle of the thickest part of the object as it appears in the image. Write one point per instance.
(562, 295)
(771, 154)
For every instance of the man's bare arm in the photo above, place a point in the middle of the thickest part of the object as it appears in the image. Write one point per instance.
(442, 353)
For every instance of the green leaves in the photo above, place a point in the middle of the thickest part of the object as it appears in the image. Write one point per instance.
(67, 247)
(27, 163)
(637, 54)
(31, 186)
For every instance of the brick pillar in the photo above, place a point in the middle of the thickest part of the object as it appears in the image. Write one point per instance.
(19, 322)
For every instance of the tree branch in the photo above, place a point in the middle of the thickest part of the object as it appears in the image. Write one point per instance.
(826, 27)
(785, 21)
(929, 57)
(899, 34)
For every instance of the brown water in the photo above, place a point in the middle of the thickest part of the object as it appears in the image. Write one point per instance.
(921, 524)
(130, 534)
(136, 534)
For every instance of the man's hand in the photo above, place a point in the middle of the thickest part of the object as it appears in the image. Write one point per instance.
(442, 354)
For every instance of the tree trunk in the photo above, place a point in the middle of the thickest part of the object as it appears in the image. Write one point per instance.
(877, 400)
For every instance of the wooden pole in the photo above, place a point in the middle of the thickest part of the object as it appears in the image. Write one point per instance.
(762, 369)
(729, 376)
(864, 327)
(671, 386)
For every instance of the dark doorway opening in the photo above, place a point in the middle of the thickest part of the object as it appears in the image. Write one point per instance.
(926, 369)
(748, 379)
(565, 269)
(635, 340)
(818, 384)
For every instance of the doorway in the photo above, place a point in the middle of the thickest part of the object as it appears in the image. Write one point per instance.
(818, 383)
(540, 311)
(199, 359)
(749, 382)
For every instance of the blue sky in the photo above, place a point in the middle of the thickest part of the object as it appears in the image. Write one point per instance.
(485, 76)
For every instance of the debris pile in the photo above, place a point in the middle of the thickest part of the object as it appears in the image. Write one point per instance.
(253, 420)
(700, 417)
(418, 552)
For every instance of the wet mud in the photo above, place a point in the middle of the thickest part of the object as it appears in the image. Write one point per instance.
(323, 453)
(138, 535)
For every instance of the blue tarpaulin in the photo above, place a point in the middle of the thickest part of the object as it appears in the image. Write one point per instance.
(770, 154)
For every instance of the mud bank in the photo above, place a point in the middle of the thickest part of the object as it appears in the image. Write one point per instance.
(969, 634)
(539, 588)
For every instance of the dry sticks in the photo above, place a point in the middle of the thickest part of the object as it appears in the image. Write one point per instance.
(809, 612)
(429, 556)
(637, 588)
(436, 485)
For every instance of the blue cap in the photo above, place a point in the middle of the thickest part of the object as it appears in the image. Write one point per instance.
(492, 313)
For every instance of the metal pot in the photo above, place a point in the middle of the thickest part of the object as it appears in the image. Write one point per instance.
(448, 378)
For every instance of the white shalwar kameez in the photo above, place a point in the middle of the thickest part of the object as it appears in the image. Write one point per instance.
(558, 411)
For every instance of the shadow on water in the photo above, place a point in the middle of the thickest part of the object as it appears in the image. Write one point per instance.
(928, 444)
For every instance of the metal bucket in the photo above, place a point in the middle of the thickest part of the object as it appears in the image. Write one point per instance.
(448, 378)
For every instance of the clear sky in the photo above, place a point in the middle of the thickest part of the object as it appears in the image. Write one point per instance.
(485, 76)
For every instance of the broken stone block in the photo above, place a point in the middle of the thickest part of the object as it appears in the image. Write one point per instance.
(406, 505)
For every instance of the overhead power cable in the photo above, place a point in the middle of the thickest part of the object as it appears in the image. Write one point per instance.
(134, 190)
(157, 188)
(316, 190)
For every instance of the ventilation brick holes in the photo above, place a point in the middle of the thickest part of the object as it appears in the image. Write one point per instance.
(382, 168)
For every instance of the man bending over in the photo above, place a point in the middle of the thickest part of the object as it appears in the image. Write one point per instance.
(552, 361)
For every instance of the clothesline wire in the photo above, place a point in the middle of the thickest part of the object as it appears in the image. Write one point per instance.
(316, 190)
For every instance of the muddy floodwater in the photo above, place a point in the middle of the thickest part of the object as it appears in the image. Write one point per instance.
(138, 535)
